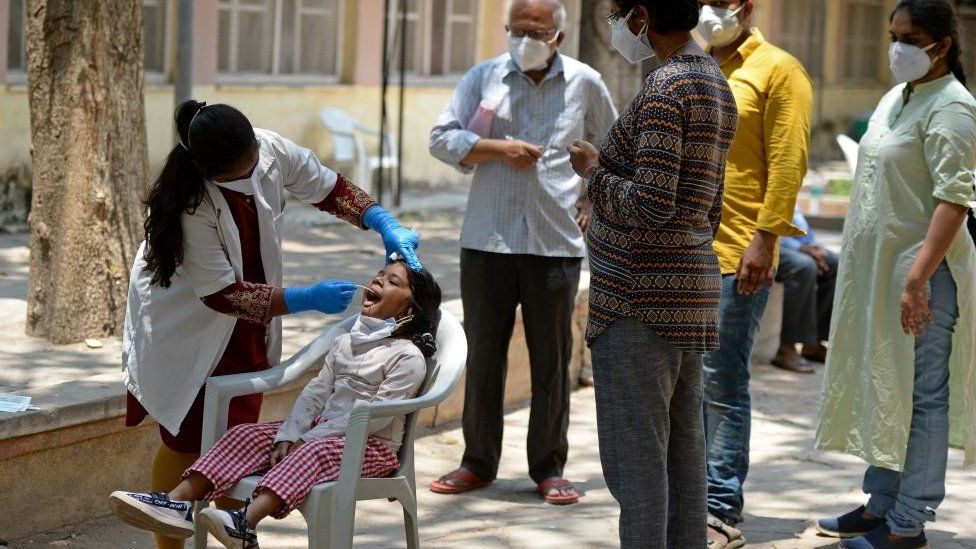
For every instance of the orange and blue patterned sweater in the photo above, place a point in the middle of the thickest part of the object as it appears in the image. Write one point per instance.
(657, 202)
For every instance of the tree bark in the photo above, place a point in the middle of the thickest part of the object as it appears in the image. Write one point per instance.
(88, 134)
(622, 78)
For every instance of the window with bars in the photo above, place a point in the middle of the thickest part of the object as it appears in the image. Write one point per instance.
(288, 38)
(155, 34)
(863, 41)
(441, 36)
(967, 31)
(16, 37)
(801, 32)
(155, 30)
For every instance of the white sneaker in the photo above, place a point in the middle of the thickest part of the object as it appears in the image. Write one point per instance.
(229, 528)
(154, 512)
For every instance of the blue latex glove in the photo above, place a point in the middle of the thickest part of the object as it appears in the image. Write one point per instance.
(395, 238)
(330, 296)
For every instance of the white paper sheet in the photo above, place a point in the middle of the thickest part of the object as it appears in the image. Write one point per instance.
(14, 403)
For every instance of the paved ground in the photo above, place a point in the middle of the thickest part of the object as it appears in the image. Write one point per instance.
(789, 485)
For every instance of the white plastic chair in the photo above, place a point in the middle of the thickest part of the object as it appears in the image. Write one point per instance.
(348, 146)
(849, 147)
(330, 508)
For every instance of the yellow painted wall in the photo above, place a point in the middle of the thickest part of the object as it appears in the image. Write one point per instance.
(14, 130)
(288, 110)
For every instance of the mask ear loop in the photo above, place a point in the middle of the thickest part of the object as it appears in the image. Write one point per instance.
(630, 14)
(930, 46)
(408, 318)
(401, 322)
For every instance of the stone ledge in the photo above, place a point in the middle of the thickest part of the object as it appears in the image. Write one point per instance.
(71, 404)
(80, 433)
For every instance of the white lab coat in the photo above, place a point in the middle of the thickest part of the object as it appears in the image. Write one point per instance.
(172, 341)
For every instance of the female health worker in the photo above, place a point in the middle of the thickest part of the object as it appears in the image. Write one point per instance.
(205, 292)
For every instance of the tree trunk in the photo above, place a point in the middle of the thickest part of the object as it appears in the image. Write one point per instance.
(88, 133)
(622, 78)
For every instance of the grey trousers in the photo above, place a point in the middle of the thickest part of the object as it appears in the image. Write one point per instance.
(652, 441)
(492, 285)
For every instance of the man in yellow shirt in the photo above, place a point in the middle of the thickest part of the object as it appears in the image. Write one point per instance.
(764, 171)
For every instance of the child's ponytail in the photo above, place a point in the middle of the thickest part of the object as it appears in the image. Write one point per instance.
(426, 303)
(427, 341)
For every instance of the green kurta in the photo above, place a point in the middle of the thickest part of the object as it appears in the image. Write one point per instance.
(914, 154)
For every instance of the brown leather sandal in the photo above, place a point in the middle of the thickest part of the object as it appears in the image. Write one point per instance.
(458, 481)
(560, 485)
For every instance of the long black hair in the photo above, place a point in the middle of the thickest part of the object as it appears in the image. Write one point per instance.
(938, 19)
(212, 138)
(426, 302)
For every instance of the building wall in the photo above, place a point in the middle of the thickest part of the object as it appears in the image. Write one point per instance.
(827, 35)
(290, 107)
(825, 46)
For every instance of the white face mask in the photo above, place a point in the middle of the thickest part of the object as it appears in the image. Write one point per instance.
(367, 328)
(247, 186)
(634, 48)
(718, 26)
(529, 54)
(909, 63)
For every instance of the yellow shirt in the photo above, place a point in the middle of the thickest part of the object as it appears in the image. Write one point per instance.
(768, 158)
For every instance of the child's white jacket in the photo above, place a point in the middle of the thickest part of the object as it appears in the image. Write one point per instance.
(388, 369)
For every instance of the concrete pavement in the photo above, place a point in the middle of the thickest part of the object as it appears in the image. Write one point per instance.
(789, 485)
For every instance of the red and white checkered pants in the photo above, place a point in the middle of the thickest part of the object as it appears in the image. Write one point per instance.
(246, 449)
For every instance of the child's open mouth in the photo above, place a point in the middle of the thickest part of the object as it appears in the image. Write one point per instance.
(370, 297)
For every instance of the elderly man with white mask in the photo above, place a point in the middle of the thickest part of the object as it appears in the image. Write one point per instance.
(509, 123)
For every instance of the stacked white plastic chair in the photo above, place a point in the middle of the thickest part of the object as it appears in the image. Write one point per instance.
(849, 147)
(348, 146)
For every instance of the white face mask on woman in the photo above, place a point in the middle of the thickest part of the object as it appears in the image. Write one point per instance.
(909, 63)
(634, 48)
(529, 54)
(718, 26)
(367, 328)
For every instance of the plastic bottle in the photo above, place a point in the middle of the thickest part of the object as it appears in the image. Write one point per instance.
(480, 123)
(817, 184)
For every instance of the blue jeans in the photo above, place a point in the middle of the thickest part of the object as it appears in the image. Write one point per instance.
(909, 498)
(727, 403)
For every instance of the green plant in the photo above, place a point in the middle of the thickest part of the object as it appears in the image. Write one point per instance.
(839, 187)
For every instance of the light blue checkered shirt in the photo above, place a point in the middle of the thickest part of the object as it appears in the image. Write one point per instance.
(530, 211)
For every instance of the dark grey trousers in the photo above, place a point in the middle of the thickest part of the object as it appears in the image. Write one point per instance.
(652, 440)
(492, 285)
(809, 297)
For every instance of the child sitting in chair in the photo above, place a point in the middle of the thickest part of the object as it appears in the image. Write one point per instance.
(380, 359)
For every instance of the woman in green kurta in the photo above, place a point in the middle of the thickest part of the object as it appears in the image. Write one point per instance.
(901, 373)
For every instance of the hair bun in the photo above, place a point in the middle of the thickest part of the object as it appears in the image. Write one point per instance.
(426, 343)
